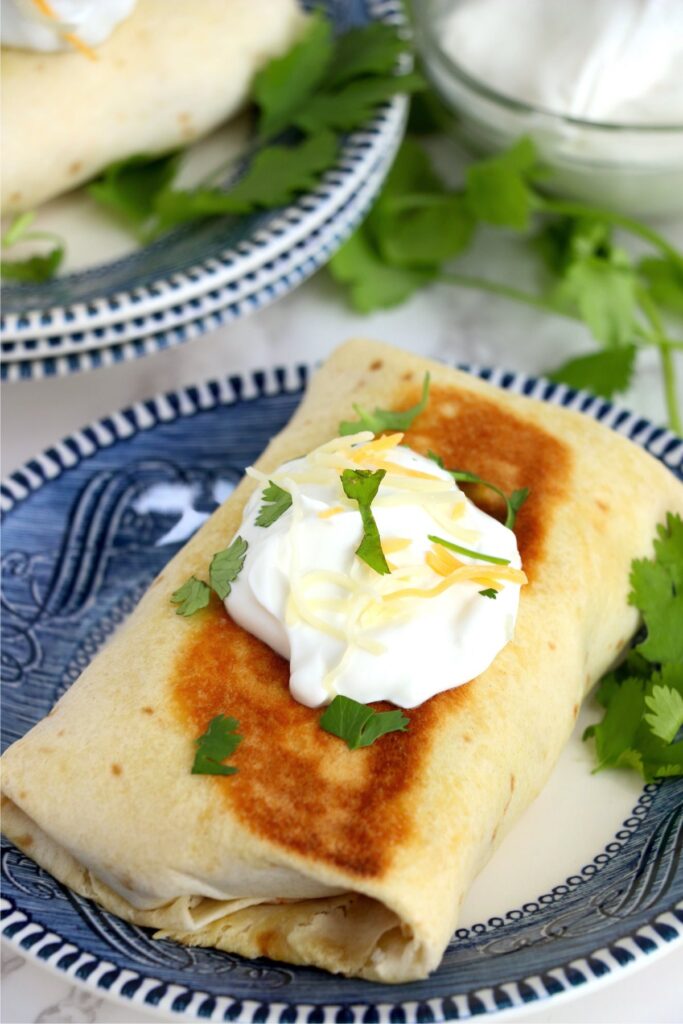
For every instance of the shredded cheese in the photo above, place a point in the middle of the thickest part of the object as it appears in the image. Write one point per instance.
(48, 11)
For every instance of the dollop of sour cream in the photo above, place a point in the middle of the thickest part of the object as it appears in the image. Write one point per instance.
(602, 60)
(47, 25)
(403, 636)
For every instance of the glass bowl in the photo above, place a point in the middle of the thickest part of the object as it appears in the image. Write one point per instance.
(634, 169)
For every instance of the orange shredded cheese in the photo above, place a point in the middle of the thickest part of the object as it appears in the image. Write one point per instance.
(441, 561)
(48, 11)
(393, 544)
(328, 512)
(465, 573)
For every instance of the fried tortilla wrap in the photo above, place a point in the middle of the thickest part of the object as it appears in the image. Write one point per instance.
(356, 861)
(167, 75)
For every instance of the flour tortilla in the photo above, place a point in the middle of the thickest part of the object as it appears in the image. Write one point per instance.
(168, 74)
(354, 861)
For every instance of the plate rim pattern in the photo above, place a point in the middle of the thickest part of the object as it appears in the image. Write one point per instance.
(662, 931)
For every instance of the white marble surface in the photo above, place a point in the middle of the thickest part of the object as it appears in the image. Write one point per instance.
(443, 321)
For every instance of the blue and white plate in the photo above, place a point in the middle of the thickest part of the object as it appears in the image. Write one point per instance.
(587, 885)
(153, 332)
(201, 258)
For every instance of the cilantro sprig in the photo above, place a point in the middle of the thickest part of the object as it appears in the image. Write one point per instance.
(513, 501)
(419, 224)
(224, 569)
(643, 698)
(276, 501)
(361, 485)
(386, 419)
(359, 725)
(219, 742)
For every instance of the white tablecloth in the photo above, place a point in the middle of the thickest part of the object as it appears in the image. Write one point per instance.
(305, 326)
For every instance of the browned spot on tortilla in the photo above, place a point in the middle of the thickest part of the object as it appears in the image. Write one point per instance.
(470, 431)
(265, 940)
(15, 197)
(377, 364)
(602, 505)
(296, 785)
(513, 782)
(76, 167)
(147, 710)
(552, 646)
(22, 794)
(408, 375)
(25, 840)
(116, 769)
(575, 710)
(60, 732)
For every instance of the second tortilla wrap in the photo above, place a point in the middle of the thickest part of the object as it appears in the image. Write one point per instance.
(167, 75)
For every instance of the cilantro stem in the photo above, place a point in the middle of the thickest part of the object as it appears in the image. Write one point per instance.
(545, 204)
(507, 291)
(467, 551)
(667, 357)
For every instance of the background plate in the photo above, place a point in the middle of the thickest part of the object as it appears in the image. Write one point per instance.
(153, 332)
(87, 526)
(202, 256)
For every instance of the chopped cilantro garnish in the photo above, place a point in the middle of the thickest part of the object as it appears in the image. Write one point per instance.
(218, 742)
(276, 501)
(193, 595)
(224, 569)
(385, 419)
(226, 566)
(468, 551)
(513, 502)
(359, 725)
(361, 485)
(489, 592)
(643, 698)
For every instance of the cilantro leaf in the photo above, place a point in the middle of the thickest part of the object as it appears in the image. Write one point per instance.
(665, 716)
(39, 267)
(371, 50)
(605, 292)
(386, 419)
(489, 592)
(34, 269)
(513, 502)
(130, 187)
(616, 733)
(467, 551)
(226, 566)
(276, 501)
(361, 485)
(664, 279)
(275, 176)
(193, 595)
(218, 742)
(422, 229)
(354, 103)
(606, 373)
(359, 725)
(285, 84)
(498, 189)
(657, 591)
(372, 283)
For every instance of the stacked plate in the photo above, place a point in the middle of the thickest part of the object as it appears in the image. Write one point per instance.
(204, 275)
